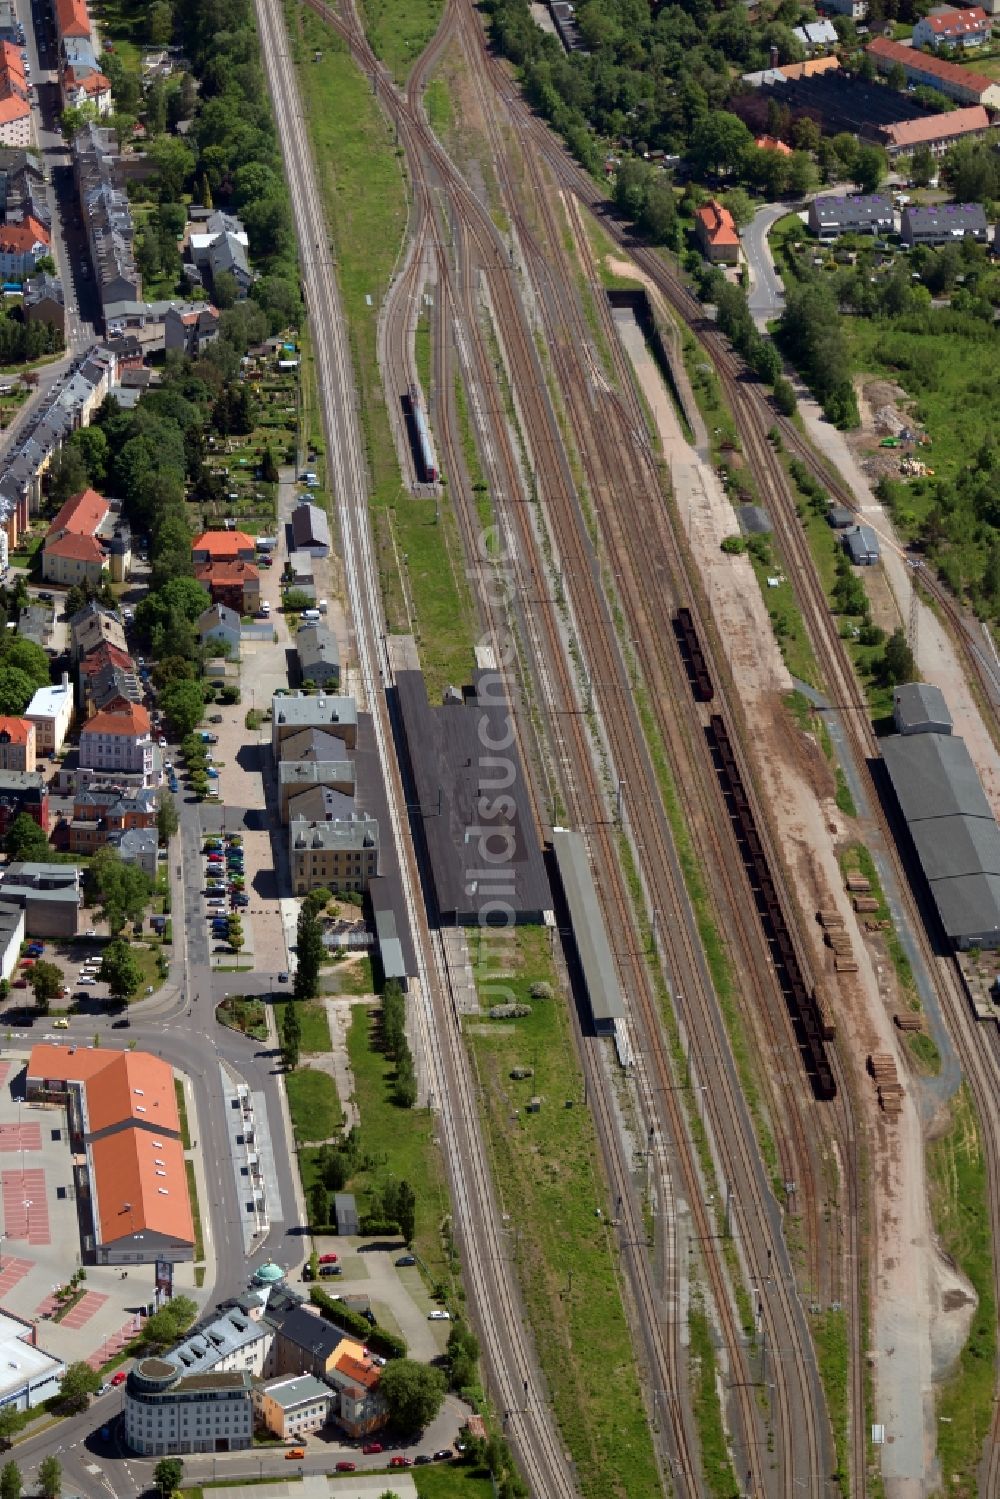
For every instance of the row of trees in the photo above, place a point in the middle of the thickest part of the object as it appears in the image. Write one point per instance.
(21, 342)
(735, 321)
(396, 1046)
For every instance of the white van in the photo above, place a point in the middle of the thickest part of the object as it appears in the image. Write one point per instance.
(265, 607)
(311, 615)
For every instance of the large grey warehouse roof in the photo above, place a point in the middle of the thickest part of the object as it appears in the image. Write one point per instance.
(589, 931)
(918, 703)
(969, 908)
(952, 846)
(464, 763)
(933, 776)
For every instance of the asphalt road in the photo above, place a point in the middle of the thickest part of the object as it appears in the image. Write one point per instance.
(767, 294)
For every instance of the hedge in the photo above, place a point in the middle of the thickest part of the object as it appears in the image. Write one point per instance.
(376, 1338)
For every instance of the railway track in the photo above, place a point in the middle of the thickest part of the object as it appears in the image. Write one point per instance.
(499, 1312)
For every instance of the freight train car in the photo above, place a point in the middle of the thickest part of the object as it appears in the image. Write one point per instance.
(693, 656)
(423, 446)
(810, 1021)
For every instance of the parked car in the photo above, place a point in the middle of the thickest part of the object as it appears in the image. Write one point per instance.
(371, 1447)
(407, 1259)
(330, 1270)
(294, 1453)
(328, 1259)
(439, 1315)
(400, 1462)
(215, 718)
(282, 978)
(443, 1455)
(61, 1024)
(86, 979)
(420, 1459)
(346, 1467)
(118, 1377)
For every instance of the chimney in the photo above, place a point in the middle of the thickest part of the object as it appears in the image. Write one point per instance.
(65, 680)
(774, 57)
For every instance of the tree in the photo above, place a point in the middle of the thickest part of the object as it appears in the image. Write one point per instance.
(234, 932)
(46, 980)
(737, 200)
(463, 1352)
(319, 1205)
(291, 1036)
(8, 1423)
(50, 1477)
(184, 705)
(160, 27)
(169, 1323)
(870, 166)
(16, 691)
(167, 1475)
(174, 162)
(167, 820)
(26, 656)
(719, 143)
(78, 1384)
(10, 1481)
(922, 166)
(93, 445)
(406, 1211)
(120, 970)
(268, 467)
(225, 290)
(413, 1394)
(121, 890)
(898, 663)
(26, 840)
(310, 953)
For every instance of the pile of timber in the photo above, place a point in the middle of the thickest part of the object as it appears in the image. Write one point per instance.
(858, 884)
(882, 1066)
(906, 1020)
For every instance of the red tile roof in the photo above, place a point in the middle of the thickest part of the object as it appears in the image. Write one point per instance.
(83, 512)
(772, 143)
(227, 572)
(959, 22)
(718, 224)
(72, 18)
(140, 1183)
(948, 72)
(937, 127)
(104, 655)
(16, 730)
(23, 236)
(75, 548)
(13, 108)
(365, 1374)
(222, 544)
(130, 722)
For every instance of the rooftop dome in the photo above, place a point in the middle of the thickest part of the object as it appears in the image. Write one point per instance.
(268, 1274)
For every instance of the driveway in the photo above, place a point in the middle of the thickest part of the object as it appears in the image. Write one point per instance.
(370, 1270)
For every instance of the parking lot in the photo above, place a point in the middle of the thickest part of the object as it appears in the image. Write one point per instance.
(79, 961)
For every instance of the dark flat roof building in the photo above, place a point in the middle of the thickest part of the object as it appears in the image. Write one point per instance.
(465, 769)
(856, 214)
(597, 963)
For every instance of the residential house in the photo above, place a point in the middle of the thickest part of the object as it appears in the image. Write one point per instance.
(43, 301)
(772, 143)
(336, 716)
(72, 552)
(234, 1337)
(107, 217)
(946, 26)
(340, 855)
(72, 19)
(22, 246)
(51, 711)
(50, 895)
(220, 627)
(937, 132)
(291, 1407)
(190, 330)
(235, 584)
(943, 223)
(319, 656)
(120, 552)
(105, 675)
(23, 791)
(102, 813)
(319, 803)
(81, 80)
(305, 1343)
(93, 625)
(15, 110)
(221, 245)
(817, 36)
(315, 744)
(222, 546)
(139, 846)
(17, 744)
(356, 1377)
(11, 29)
(119, 740)
(22, 187)
(716, 232)
(854, 10)
(831, 216)
(311, 530)
(958, 83)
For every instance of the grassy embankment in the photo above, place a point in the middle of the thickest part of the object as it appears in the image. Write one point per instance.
(548, 1182)
(361, 179)
(959, 1204)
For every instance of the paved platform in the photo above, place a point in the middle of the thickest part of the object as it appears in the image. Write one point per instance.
(20, 1136)
(25, 1209)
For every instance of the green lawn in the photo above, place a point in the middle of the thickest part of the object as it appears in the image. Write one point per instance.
(399, 30)
(549, 1182)
(199, 1246)
(439, 106)
(957, 1170)
(360, 176)
(353, 975)
(312, 1018)
(449, 1481)
(182, 1111)
(398, 1142)
(313, 1104)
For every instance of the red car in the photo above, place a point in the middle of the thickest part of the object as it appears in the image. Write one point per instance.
(371, 1447)
(346, 1467)
(400, 1462)
(118, 1377)
(327, 1259)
